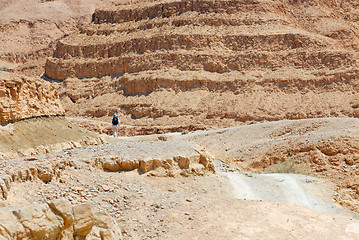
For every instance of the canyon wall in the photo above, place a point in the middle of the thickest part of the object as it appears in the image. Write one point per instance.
(202, 64)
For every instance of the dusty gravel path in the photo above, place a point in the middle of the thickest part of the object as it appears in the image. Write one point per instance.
(302, 190)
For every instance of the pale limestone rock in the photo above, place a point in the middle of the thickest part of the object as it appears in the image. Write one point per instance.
(111, 165)
(10, 227)
(183, 162)
(64, 208)
(83, 219)
(3, 189)
(105, 228)
(23, 97)
(178, 156)
(67, 234)
(57, 219)
(128, 165)
(39, 221)
(147, 165)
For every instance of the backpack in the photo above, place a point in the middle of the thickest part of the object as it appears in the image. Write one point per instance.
(114, 121)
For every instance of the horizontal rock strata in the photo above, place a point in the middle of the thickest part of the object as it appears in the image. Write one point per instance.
(219, 36)
(210, 62)
(146, 157)
(224, 62)
(160, 157)
(172, 8)
(22, 97)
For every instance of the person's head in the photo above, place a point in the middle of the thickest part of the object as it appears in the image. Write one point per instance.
(115, 115)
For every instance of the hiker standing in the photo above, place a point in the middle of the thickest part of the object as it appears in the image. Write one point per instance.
(115, 124)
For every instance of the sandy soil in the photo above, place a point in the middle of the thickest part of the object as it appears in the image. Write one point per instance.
(41, 135)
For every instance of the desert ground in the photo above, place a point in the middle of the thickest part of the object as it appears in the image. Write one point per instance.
(238, 119)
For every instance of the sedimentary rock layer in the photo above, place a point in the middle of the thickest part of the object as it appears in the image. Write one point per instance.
(224, 62)
(171, 8)
(219, 36)
(229, 39)
(22, 97)
(172, 157)
(211, 62)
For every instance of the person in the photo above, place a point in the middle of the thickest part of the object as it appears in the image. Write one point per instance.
(115, 124)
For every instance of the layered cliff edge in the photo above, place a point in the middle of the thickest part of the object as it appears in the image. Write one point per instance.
(176, 65)
(23, 97)
(221, 36)
(32, 119)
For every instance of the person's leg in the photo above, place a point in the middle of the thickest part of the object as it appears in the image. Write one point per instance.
(115, 131)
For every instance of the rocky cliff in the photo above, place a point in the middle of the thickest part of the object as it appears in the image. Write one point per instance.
(197, 64)
(220, 36)
(23, 97)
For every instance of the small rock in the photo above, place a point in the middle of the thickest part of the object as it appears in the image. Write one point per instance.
(2, 204)
(349, 161)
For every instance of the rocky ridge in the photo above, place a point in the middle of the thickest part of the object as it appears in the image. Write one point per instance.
(180, 157)
(202, 64)
(32, 121)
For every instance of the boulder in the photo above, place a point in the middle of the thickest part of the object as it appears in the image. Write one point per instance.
(39, 221)
(57, 219)
(84, 219)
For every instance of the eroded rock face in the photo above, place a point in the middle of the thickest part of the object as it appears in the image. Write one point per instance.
(57, 219)
(221, 36)
(22, 97)
(176, 65)
(178, 157)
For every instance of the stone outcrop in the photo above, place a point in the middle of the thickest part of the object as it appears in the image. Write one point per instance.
(22, 97)
(211, 64)
(57, 219)
(161, 158)
(42, 149)
(179, 156)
